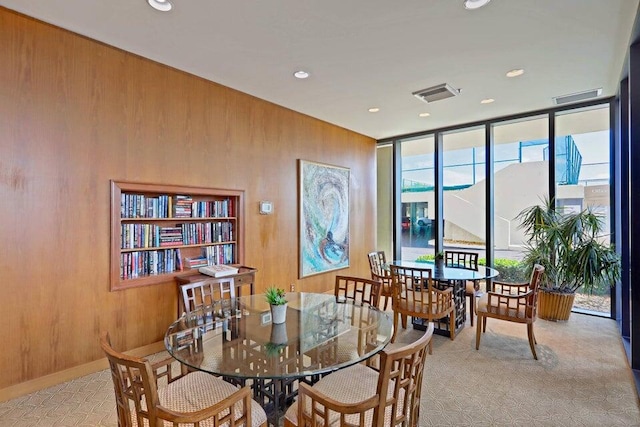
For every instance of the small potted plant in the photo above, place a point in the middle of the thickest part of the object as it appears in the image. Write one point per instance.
(277, 300)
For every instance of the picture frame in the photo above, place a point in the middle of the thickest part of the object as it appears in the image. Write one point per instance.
(323, 217)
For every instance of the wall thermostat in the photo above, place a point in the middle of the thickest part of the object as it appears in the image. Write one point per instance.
(266, 208)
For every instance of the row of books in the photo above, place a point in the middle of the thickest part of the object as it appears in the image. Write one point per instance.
(220, 254)
(178, 206)
(140, 236)
(209, 232)
(213, 209)
(146, 263)
(141, 206)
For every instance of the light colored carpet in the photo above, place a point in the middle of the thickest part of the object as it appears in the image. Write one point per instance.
(582, 378)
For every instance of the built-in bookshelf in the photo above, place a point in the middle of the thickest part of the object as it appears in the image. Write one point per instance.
(160, 232)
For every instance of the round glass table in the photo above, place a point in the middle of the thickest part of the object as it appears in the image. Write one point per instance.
(235, 338)
(452, 276)
(447, 273)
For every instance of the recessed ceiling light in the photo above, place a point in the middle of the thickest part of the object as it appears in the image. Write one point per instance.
(424, 114)
(487, 101)
(515, 73)
(161, 5)
(475, 4)
(374, 110)
(301, 74)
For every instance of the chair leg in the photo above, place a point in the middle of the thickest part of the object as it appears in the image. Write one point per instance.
(452, 324)
(479, 322)
(395, 325)
(484, 323)
(386, 302)
(532, 340)
(472, 307)
(404, 321)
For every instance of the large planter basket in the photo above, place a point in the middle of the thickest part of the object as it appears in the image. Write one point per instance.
(554, 306)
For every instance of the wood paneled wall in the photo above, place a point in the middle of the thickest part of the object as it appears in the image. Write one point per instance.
(75, 113)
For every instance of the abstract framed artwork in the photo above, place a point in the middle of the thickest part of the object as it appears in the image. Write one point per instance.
(324, 217)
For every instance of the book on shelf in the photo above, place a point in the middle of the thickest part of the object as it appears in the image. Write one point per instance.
(218, 270)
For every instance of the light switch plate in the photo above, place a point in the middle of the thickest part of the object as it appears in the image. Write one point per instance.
(266, 208)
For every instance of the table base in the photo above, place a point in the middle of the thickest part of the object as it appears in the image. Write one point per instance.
(275, 396)
(441, 326)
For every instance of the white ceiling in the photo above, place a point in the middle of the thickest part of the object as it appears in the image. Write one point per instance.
(371, 53)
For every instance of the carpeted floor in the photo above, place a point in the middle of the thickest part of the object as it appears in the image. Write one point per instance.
(582, 378)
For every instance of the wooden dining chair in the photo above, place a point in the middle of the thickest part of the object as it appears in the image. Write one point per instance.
(380, 272)
(358, 290)
(363, 292)
(515, 302)
(189, 398)
(206, 292)
(415, 294)
(361, 396)
(468, 260)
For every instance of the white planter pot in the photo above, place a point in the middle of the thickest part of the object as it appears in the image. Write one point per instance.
(279, 313)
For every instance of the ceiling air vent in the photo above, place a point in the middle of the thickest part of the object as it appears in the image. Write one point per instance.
(575, 97)
(436, 93)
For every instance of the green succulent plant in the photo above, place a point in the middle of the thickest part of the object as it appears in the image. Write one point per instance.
(275, 296)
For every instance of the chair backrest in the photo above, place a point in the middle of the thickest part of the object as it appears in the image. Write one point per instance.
(400, 380)
(415, 293)
(534, 284)
(134, 384)
(461, 259)
(397, 398)
(377, 261)
(411, 284)
(206, 292)
(359, 290)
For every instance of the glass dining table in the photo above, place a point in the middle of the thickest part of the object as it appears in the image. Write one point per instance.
(452, 276)
(235, 338)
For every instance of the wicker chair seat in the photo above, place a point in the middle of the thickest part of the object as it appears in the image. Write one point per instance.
(512, 308)
(199, 390)
(422, 306)
(349, 386)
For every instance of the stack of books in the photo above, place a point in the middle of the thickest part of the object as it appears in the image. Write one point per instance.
(170, 236)
(182, 206)
(196, 262)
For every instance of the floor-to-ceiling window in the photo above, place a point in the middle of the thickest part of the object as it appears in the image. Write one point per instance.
(521, 179)
(464, 190)
(384, 211)
(583, 178)
(417, 212)
(522, 163)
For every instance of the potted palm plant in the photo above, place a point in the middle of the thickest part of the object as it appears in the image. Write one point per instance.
(570, 247)
(276, 298)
